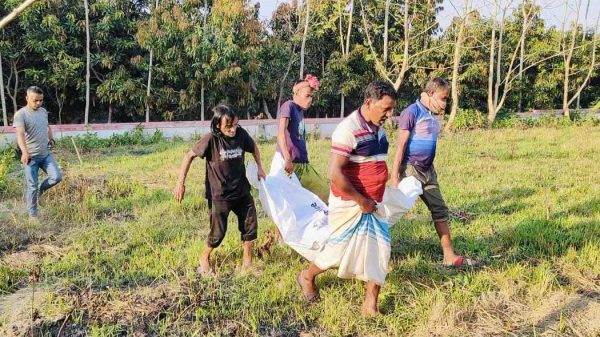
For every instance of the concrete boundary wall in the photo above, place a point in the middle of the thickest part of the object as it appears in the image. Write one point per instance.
(257, 128)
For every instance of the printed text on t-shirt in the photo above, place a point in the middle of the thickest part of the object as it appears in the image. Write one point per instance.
(230, 154)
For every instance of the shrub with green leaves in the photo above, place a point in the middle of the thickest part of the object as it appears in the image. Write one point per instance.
(467, 119)
(6, 163)
(90, 141)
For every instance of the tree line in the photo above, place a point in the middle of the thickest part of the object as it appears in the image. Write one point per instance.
(104, 61)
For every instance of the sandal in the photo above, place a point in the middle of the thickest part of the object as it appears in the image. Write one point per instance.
(462, 261)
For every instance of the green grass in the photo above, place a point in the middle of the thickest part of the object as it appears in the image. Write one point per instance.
(524, 202)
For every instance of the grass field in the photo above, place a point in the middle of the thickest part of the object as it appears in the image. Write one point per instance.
(115, 255)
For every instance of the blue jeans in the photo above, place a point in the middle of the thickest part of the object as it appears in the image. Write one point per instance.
(48, 165)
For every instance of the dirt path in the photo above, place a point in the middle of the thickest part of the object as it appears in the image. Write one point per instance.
(20, 313)
(566, 315)
(560, 314)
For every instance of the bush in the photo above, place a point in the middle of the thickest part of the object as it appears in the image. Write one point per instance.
(6, 163)
(3, 173)
(85, 142)
(467, 119)
(580, 118)
(508, 121)
(90, 141)
(548, 121)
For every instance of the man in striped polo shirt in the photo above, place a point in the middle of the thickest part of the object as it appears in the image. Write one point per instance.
(358, 174)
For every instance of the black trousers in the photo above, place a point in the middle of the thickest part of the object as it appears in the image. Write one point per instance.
(219, 212)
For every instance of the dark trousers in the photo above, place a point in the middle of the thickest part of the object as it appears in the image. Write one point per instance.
(219, 212)
(432, 196)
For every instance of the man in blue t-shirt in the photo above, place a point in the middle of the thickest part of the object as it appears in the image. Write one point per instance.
(418, 132)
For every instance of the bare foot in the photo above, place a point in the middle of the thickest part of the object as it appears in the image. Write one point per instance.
(369, 307)
(246, 267)
(450, 259)
(371, 311)
(308, 288)
(247, 264)
(250, 269)
(205, 269)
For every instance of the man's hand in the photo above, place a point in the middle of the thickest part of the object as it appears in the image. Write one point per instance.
(25, 158)
(289, 166)
(51, 143)
(179, 191)
(367, 205)
(261, 173)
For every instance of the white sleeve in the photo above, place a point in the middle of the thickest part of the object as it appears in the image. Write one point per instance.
(342, 140)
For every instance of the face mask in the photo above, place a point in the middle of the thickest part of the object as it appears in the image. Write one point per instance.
(436, 106)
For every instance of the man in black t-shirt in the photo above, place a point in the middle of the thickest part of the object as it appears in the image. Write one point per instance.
(227, 188)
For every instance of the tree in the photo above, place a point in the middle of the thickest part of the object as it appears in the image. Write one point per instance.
(15, 13)
(456, 62)
(166, 32)
(120, 89)
(125, 60)
(4, 116)
(502, 77)
(149, 85)
(522, 56)
(54, 33)
(417, 26)
(568, 49)
(302, 48)
(14, 52)
(285, 27)
(116, 58)
(87, 61)
(216, 48)
(346, 50)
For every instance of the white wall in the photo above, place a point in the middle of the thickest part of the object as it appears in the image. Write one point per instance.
(256, 128)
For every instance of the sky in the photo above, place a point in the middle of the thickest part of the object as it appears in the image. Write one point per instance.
(553, 11)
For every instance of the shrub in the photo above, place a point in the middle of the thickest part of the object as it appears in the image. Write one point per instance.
(6, 162)
(467, 119)
(90, 141)
(472, 119)
(508, 121)
(548, 121)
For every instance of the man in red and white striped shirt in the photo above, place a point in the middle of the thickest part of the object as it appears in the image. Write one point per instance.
(358, 174)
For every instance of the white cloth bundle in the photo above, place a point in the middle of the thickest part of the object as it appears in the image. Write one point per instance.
(339, 236)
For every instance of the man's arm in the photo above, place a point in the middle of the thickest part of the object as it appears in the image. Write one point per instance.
(183, 171)
(282, 142)
(50, 135)
(22, 145)
(403, 136)
(338, 178)
(256, 155)
(51, 141)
